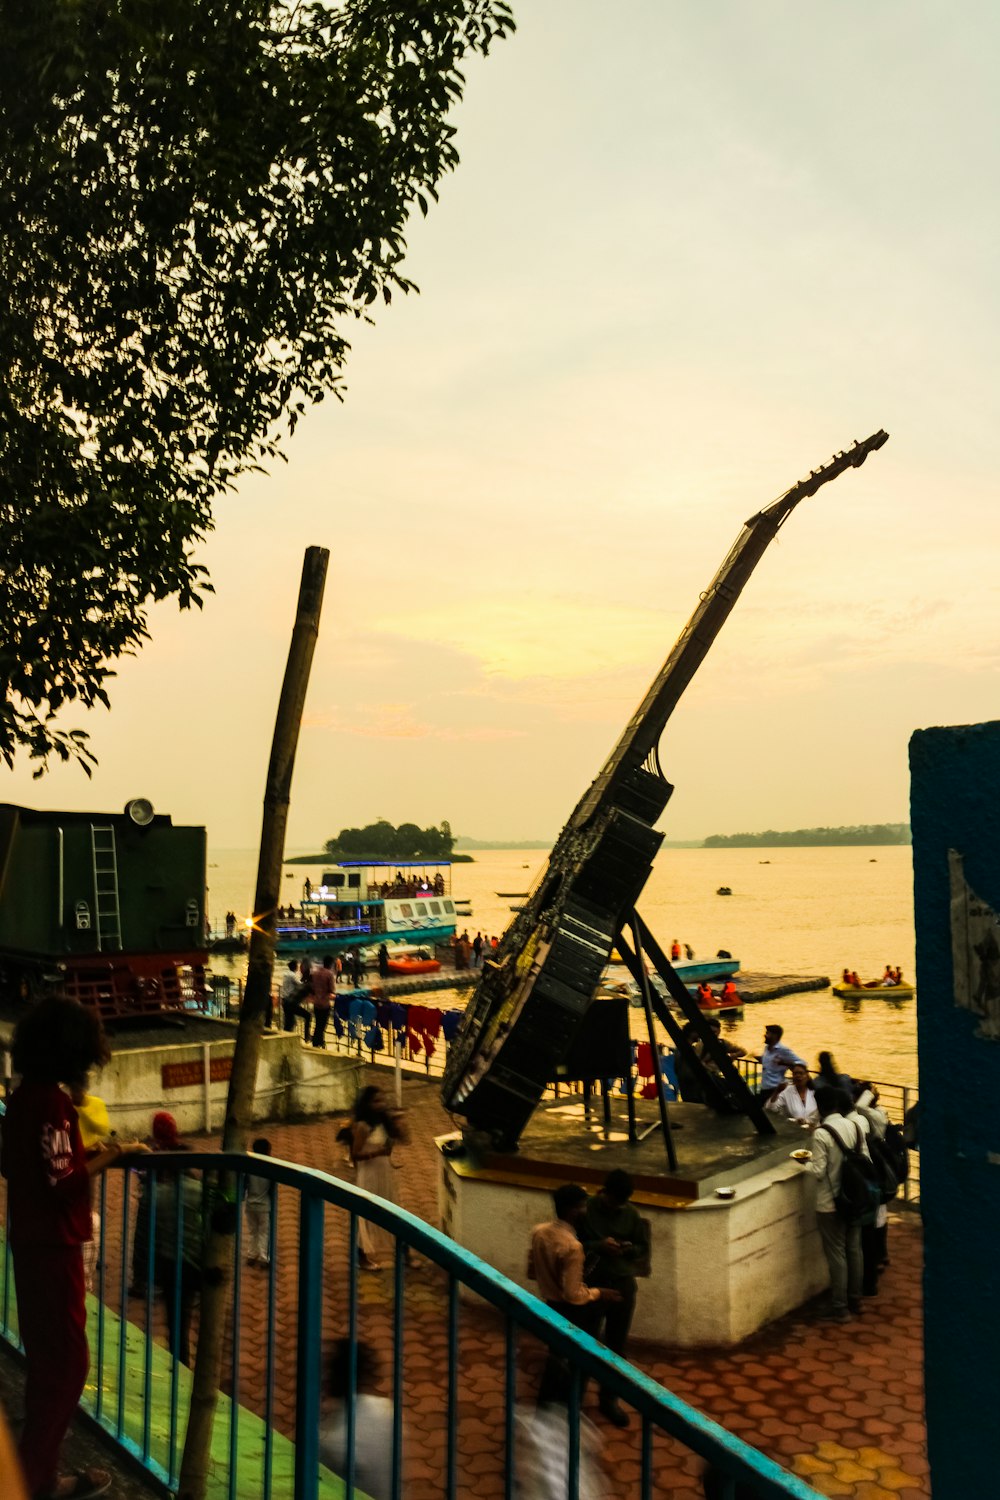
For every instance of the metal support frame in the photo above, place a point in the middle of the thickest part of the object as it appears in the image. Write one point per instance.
(731, 1090)
(647, 1005)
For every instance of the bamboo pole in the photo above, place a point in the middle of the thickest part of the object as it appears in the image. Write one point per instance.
(216, 1292)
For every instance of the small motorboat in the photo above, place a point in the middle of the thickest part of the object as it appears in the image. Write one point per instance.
(512, 895)
(724, 890)
(413, 965)
(875, 991)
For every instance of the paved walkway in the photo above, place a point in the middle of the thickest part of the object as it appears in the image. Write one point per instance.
(840, 1405)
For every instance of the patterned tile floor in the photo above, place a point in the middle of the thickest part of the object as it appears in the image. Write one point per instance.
(842, 1406)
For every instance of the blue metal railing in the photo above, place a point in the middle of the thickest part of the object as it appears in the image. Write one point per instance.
(138, 1389)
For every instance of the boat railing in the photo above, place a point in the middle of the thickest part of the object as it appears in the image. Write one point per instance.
(283, 1316)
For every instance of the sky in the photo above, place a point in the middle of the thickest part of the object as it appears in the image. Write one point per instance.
(690, 252)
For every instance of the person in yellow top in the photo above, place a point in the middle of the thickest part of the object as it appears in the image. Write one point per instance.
(96, 1134)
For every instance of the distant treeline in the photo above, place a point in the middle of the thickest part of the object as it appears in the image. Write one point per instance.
(862, 833)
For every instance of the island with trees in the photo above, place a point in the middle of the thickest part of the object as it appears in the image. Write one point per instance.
(861, 833)
(383, 840)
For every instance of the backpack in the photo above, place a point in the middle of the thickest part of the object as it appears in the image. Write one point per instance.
(895, 1143)
(885, 1167)
(860, 1193)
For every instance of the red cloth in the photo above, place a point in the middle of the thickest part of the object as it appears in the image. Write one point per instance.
(644, 1068)
(52, 1317)
(424, 1022)
(45, 1166)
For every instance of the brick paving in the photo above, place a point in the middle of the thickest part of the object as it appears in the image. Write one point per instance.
(840, 1405)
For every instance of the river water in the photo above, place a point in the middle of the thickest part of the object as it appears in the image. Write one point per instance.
(797, 912)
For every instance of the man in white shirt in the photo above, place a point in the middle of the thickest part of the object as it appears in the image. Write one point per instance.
(775, 1060)
(841, 1241)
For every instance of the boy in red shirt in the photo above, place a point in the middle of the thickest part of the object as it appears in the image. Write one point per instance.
(48, 1176)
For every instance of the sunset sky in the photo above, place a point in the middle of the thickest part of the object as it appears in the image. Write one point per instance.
(691, 251)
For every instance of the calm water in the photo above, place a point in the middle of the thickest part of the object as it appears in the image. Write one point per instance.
(806, 912)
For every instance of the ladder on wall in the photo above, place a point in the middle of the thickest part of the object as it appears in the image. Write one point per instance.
(107, 911)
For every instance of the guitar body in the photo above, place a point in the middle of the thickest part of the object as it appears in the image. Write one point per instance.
(534, 995)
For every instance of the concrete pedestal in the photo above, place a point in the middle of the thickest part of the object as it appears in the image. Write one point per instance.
(722, 1268)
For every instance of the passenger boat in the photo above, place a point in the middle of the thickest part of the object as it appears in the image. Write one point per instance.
(709, 968)
(875, 991)
(362, 903)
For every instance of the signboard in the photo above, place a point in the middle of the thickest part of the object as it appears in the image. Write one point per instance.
(185, 1075)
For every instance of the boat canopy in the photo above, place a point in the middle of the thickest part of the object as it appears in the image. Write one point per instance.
(392, 864)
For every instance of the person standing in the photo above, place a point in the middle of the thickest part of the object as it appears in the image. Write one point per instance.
(373, 1421)
(841, 1240)
(375, 1130)
(258, 1206)
(616, 1242)
(48, 1175)
(797, 1099)
(775, 1061)
(477, 950)
(874, 1237)
(291, 999)
(322, 982)
(555, 1262)
(383, 961)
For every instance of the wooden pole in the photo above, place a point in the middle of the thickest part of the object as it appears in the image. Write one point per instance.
(256, 1007)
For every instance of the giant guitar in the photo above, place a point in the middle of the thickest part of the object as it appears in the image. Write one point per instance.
(533, 995)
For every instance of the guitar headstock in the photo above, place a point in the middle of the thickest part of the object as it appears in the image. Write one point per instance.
(852, 458)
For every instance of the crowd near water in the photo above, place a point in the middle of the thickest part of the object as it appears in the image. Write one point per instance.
(797, 912)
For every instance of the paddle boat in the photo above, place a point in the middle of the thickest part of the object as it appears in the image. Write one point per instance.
(902, 991)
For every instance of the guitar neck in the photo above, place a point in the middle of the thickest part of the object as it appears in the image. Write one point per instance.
(642, 733)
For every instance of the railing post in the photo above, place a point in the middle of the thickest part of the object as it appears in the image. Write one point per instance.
(310, 1325)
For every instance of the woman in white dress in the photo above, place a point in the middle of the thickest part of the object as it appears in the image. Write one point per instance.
(797, 1099)
(375, 1129)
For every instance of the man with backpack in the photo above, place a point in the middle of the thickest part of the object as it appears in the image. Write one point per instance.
(847, 1195)
(888, 1152)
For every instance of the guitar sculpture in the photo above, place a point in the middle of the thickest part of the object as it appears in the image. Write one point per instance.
(533, 995)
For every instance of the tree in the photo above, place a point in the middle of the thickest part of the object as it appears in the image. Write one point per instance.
(198, 199)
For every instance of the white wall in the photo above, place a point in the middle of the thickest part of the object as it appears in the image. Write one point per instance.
(721, 1270)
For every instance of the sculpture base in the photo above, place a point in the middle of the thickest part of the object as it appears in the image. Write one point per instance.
(722, 1267)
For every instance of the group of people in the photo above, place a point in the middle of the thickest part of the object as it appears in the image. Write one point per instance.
(893, 976)
(846, 1123)
(585, 1262)
(471, 954)
(675, 951)
(307, 989)
(424, 886)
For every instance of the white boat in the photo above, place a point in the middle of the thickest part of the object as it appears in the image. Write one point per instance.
(361, 903)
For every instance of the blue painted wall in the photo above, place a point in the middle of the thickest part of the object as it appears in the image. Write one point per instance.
(955, 806)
